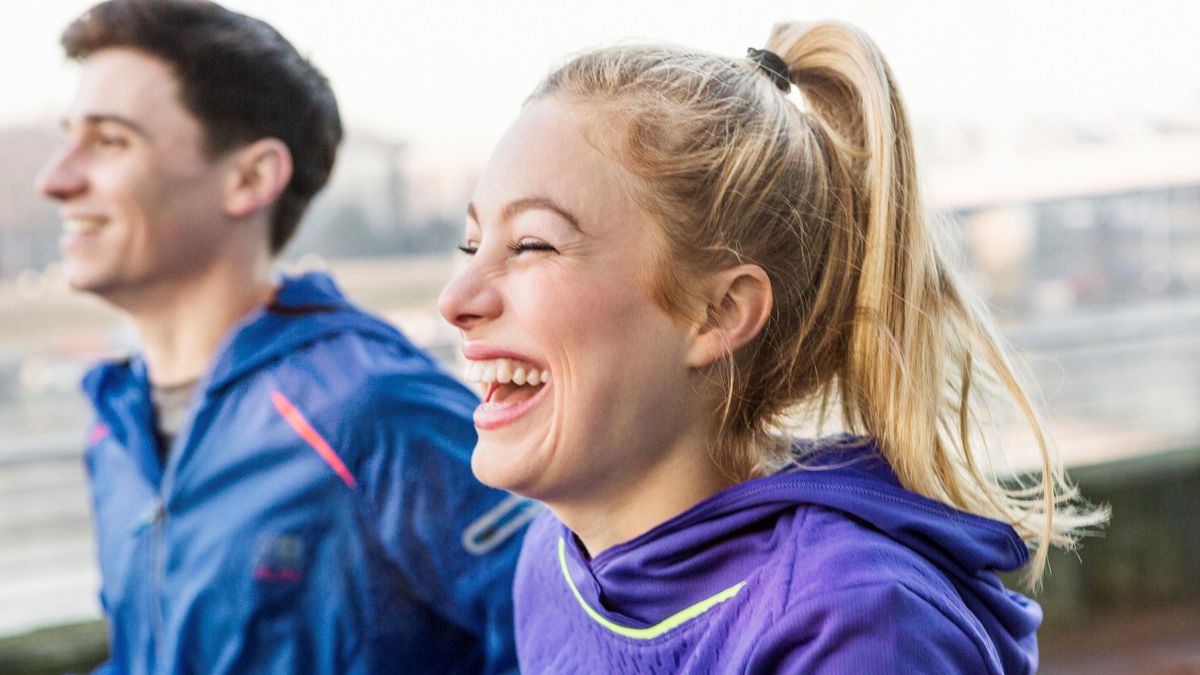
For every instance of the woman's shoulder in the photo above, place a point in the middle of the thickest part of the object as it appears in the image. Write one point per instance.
(874, 625)
(830, 550)
(873, 600)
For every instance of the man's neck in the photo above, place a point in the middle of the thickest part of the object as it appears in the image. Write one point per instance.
(180, 331)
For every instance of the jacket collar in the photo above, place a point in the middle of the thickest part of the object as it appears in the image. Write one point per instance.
(305, 310)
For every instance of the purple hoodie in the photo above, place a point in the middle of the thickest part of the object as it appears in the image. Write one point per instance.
(831, 568)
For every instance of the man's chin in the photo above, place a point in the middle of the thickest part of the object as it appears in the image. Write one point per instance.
(82, 283)
(92, 284)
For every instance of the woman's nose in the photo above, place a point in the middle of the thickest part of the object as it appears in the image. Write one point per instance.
(470, 298)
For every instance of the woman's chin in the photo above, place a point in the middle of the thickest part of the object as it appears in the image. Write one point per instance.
(501, 465)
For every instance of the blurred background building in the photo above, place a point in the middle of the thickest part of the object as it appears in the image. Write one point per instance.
(1077, 206)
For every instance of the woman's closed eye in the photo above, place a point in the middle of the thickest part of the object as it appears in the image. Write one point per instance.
(516, 247)
(531, 245)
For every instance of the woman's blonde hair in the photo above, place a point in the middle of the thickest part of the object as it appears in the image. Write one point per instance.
(869, 323)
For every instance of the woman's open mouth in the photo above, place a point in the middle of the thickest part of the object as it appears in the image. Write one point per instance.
(512, 388)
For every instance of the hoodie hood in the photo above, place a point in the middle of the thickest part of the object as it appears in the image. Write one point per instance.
(720, 541)
(306, 309)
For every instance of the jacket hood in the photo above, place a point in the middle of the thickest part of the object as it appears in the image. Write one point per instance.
(715, 543)
(306, 309)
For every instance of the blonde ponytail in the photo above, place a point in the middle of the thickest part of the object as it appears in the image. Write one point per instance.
(869, 323)
(924, 364)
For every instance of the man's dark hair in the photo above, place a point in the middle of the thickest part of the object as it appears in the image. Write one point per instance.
(238, 76)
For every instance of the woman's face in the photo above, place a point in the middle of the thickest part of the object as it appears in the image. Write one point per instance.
(558, 289)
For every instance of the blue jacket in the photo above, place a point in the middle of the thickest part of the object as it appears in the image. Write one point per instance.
(829, 569)
(316, 515)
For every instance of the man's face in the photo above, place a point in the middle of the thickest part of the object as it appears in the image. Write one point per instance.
(141, 203)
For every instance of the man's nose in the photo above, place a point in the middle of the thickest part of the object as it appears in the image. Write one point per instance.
(61, 178)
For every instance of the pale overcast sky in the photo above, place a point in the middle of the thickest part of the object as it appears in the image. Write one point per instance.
(448, 76)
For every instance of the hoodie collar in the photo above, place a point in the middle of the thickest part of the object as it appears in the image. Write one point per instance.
(713, 545)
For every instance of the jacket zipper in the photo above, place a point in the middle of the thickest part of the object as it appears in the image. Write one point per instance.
(158, 558)
(157, 573)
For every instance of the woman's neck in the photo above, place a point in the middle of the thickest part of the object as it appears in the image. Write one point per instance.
(613, 516)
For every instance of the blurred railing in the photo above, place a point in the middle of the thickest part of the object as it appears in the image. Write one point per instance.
(1119, 384)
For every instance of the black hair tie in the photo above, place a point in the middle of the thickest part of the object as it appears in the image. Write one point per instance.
(772, 65)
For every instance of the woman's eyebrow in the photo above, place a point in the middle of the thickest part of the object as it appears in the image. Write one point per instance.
(518, 206)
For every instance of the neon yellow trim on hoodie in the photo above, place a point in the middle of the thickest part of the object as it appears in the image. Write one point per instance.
(670, 623)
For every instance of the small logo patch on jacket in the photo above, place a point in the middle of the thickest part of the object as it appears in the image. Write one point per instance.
(98, 432)
(279, 559)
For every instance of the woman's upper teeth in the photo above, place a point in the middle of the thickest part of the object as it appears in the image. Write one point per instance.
(79, 225)
(505, 371)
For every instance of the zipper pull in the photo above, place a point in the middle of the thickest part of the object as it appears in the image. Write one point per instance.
(151, 515)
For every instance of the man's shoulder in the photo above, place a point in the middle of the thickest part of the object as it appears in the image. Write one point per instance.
(378, 364)
(347, 339)
(372, 379)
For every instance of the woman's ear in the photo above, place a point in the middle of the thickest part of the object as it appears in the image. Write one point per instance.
(259, 173)
(739, 302)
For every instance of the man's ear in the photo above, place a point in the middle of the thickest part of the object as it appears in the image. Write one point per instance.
(259, 173)
(739, 302)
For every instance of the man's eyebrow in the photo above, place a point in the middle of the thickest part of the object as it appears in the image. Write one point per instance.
(98, 118)
(518, 206)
